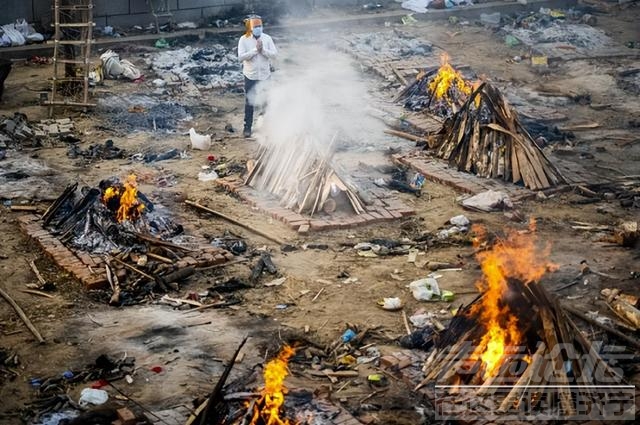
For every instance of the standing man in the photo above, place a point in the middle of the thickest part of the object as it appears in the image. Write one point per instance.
(255, 51)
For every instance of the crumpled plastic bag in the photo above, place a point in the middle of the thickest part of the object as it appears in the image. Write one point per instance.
(114, 67)
(15, 36)
(18, 33)
(425, 289)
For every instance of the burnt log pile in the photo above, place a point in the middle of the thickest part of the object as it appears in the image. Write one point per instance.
(84, 219)
(486, 138)
(439, 91)
(554, 364)
(139, 249)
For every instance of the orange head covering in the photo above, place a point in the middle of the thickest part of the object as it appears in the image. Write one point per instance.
(250, 23)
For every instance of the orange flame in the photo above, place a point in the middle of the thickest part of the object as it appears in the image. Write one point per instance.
(517, 257)
(274, 390)
(446, 78)
(129, 206)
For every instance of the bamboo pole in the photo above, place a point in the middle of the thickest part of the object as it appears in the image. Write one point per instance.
(634, 342)
(22, 315)
(234, 221)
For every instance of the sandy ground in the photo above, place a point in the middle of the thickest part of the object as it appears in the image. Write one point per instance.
(77, 328)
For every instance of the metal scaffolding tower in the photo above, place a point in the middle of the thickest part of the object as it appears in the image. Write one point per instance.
(73, 24)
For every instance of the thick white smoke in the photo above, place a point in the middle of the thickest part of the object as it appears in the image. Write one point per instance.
(316, 101)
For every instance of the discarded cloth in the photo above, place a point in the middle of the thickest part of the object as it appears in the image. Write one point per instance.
(489, 201)
(114, 67)
(18, 34)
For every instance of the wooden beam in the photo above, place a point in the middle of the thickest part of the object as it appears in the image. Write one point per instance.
(23, 316)
(234, 221)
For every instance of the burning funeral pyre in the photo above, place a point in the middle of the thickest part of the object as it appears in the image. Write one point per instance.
(125, 240)
(267, 410)
(482, 133)
(439, 91)
(486, 138)
(515, 346)
(104, 219)
(303, 178)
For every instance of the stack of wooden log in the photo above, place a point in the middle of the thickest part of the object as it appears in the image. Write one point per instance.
(558, 360)
(304, 179)
(486, 138)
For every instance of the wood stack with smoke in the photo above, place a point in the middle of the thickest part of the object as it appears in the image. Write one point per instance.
(304, 179)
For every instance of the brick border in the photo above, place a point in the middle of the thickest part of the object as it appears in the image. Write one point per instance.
(80, 265)
(303, 224)
(89, 269)
(437, 171)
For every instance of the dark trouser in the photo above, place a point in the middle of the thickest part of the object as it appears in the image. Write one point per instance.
(249, 102)
(5, 68)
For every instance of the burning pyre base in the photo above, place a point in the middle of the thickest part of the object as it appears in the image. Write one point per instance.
(114, 234)
(90, 268)
(391, 210)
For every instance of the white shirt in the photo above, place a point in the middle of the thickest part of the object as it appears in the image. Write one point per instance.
(256, 66)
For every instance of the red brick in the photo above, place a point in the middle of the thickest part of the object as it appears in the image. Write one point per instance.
(297, 223)
(406, 211)
(190, 261)
(86, 259)
(207, 258)
(388, 362)
(126, 416)
(39, 233)
(303, 229)
(386, 215)
(219, 259)
(25, 218)
(376, 215)
(95, 283)
(369, 218)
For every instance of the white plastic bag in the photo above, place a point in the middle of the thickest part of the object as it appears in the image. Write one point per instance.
(93, 396)
(199, 141)
(425, 289)
(207, 176)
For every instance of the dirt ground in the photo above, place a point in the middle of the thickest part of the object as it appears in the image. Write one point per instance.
(77, 328)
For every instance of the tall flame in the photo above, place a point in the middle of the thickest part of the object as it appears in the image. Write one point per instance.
(272, 398)
(129, 206)
(446, 78)
(517, 257)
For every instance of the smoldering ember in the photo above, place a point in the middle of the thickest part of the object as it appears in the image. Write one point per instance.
(319, 212)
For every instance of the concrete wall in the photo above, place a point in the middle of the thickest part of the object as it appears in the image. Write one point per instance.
(124, 13)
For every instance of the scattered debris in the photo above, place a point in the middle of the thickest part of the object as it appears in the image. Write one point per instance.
(212, 67)
(106, 151)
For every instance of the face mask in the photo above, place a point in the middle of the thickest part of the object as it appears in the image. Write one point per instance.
(257, 32)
